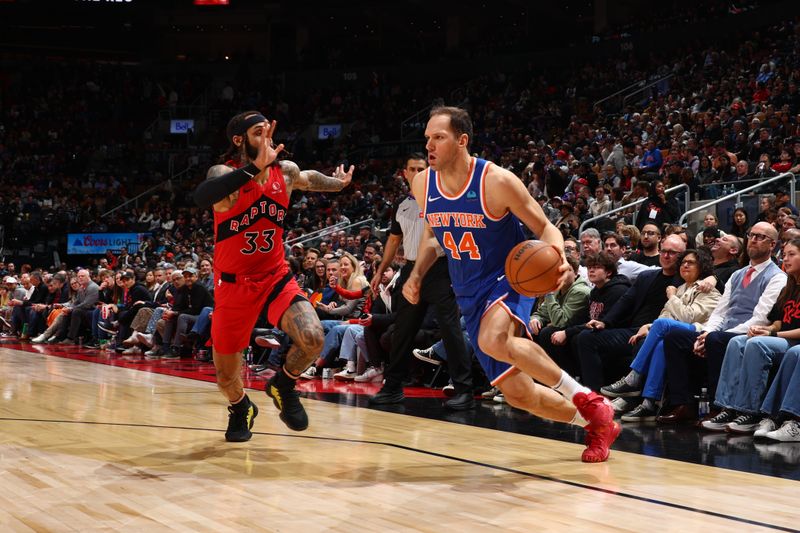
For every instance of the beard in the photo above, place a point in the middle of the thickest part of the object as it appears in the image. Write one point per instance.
(249, 150)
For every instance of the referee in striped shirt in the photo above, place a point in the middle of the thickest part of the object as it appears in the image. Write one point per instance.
(408, 226)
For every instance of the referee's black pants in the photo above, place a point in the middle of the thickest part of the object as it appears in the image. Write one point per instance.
(436, 290)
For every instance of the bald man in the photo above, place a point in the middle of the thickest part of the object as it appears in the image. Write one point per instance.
(748, 298)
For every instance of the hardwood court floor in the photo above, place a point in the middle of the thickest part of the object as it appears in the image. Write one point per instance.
(90, 447)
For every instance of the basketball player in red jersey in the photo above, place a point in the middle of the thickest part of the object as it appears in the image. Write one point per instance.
(250, 197)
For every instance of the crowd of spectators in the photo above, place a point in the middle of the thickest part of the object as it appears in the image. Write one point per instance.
(644, 295)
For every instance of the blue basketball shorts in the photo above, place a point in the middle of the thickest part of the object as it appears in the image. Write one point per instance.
(474, 308)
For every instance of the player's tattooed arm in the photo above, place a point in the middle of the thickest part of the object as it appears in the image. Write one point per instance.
(311, 180)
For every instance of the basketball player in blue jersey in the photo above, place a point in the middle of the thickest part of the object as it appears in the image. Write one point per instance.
(473, 210)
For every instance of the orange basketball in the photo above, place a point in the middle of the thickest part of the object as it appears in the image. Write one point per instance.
(532, 268)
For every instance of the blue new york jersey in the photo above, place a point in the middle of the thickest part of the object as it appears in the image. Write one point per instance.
(477, 244)
(475, 241)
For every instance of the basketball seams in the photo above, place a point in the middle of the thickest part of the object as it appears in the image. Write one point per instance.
(515, 265)
(542, 272)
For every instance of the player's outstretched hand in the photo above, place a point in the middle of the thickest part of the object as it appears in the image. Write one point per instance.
(267, 152)
(411, 290)
(345, 177)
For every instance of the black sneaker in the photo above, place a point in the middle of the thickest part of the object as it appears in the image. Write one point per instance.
(107, 328)
(461, 402)
(387, 396)
(640, 414)
(171, 355)
(287, 400)
(621, 389)
(241, 422)
(427, 355)
(745, 423)
(721, 421)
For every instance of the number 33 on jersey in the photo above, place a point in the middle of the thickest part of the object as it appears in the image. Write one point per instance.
(249, 236)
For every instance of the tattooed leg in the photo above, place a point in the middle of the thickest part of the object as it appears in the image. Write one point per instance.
(300, 322)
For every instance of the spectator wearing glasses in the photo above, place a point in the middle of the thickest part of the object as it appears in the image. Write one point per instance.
(604, 347)
(571, 248)
(616, 246)
(651, 236)
(688, 308)
(749, 295)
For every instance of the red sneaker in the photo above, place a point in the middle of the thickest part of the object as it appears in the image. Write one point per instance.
(599, 441)
(595, 409)
(602, 431)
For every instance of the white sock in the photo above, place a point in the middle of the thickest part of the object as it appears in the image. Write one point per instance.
(649, 404)
(351, 366)
(568, 387)
(578, 420)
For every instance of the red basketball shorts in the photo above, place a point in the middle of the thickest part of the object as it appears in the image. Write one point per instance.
(237, 306)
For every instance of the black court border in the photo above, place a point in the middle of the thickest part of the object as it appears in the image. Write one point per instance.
(442, 456)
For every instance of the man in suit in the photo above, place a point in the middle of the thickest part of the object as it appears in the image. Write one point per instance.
(605, 344)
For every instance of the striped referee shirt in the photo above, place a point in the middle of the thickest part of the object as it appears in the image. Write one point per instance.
(407, 222)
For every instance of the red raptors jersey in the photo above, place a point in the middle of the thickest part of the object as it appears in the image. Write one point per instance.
(249, 236)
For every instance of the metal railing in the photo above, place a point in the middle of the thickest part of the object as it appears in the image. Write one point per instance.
(644, 88)
(734, 182)
(155, 187)
(148, 191)
(639, 83)
(327, 231)
(710, 203)
(314, 234)
(635, 204)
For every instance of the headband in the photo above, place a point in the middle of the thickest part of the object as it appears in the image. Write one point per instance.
(239, 124)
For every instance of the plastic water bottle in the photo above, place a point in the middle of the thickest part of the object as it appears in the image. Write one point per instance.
(703, 403)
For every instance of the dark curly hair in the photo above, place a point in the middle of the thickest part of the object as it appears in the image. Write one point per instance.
(704, 261)
(604, 260)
